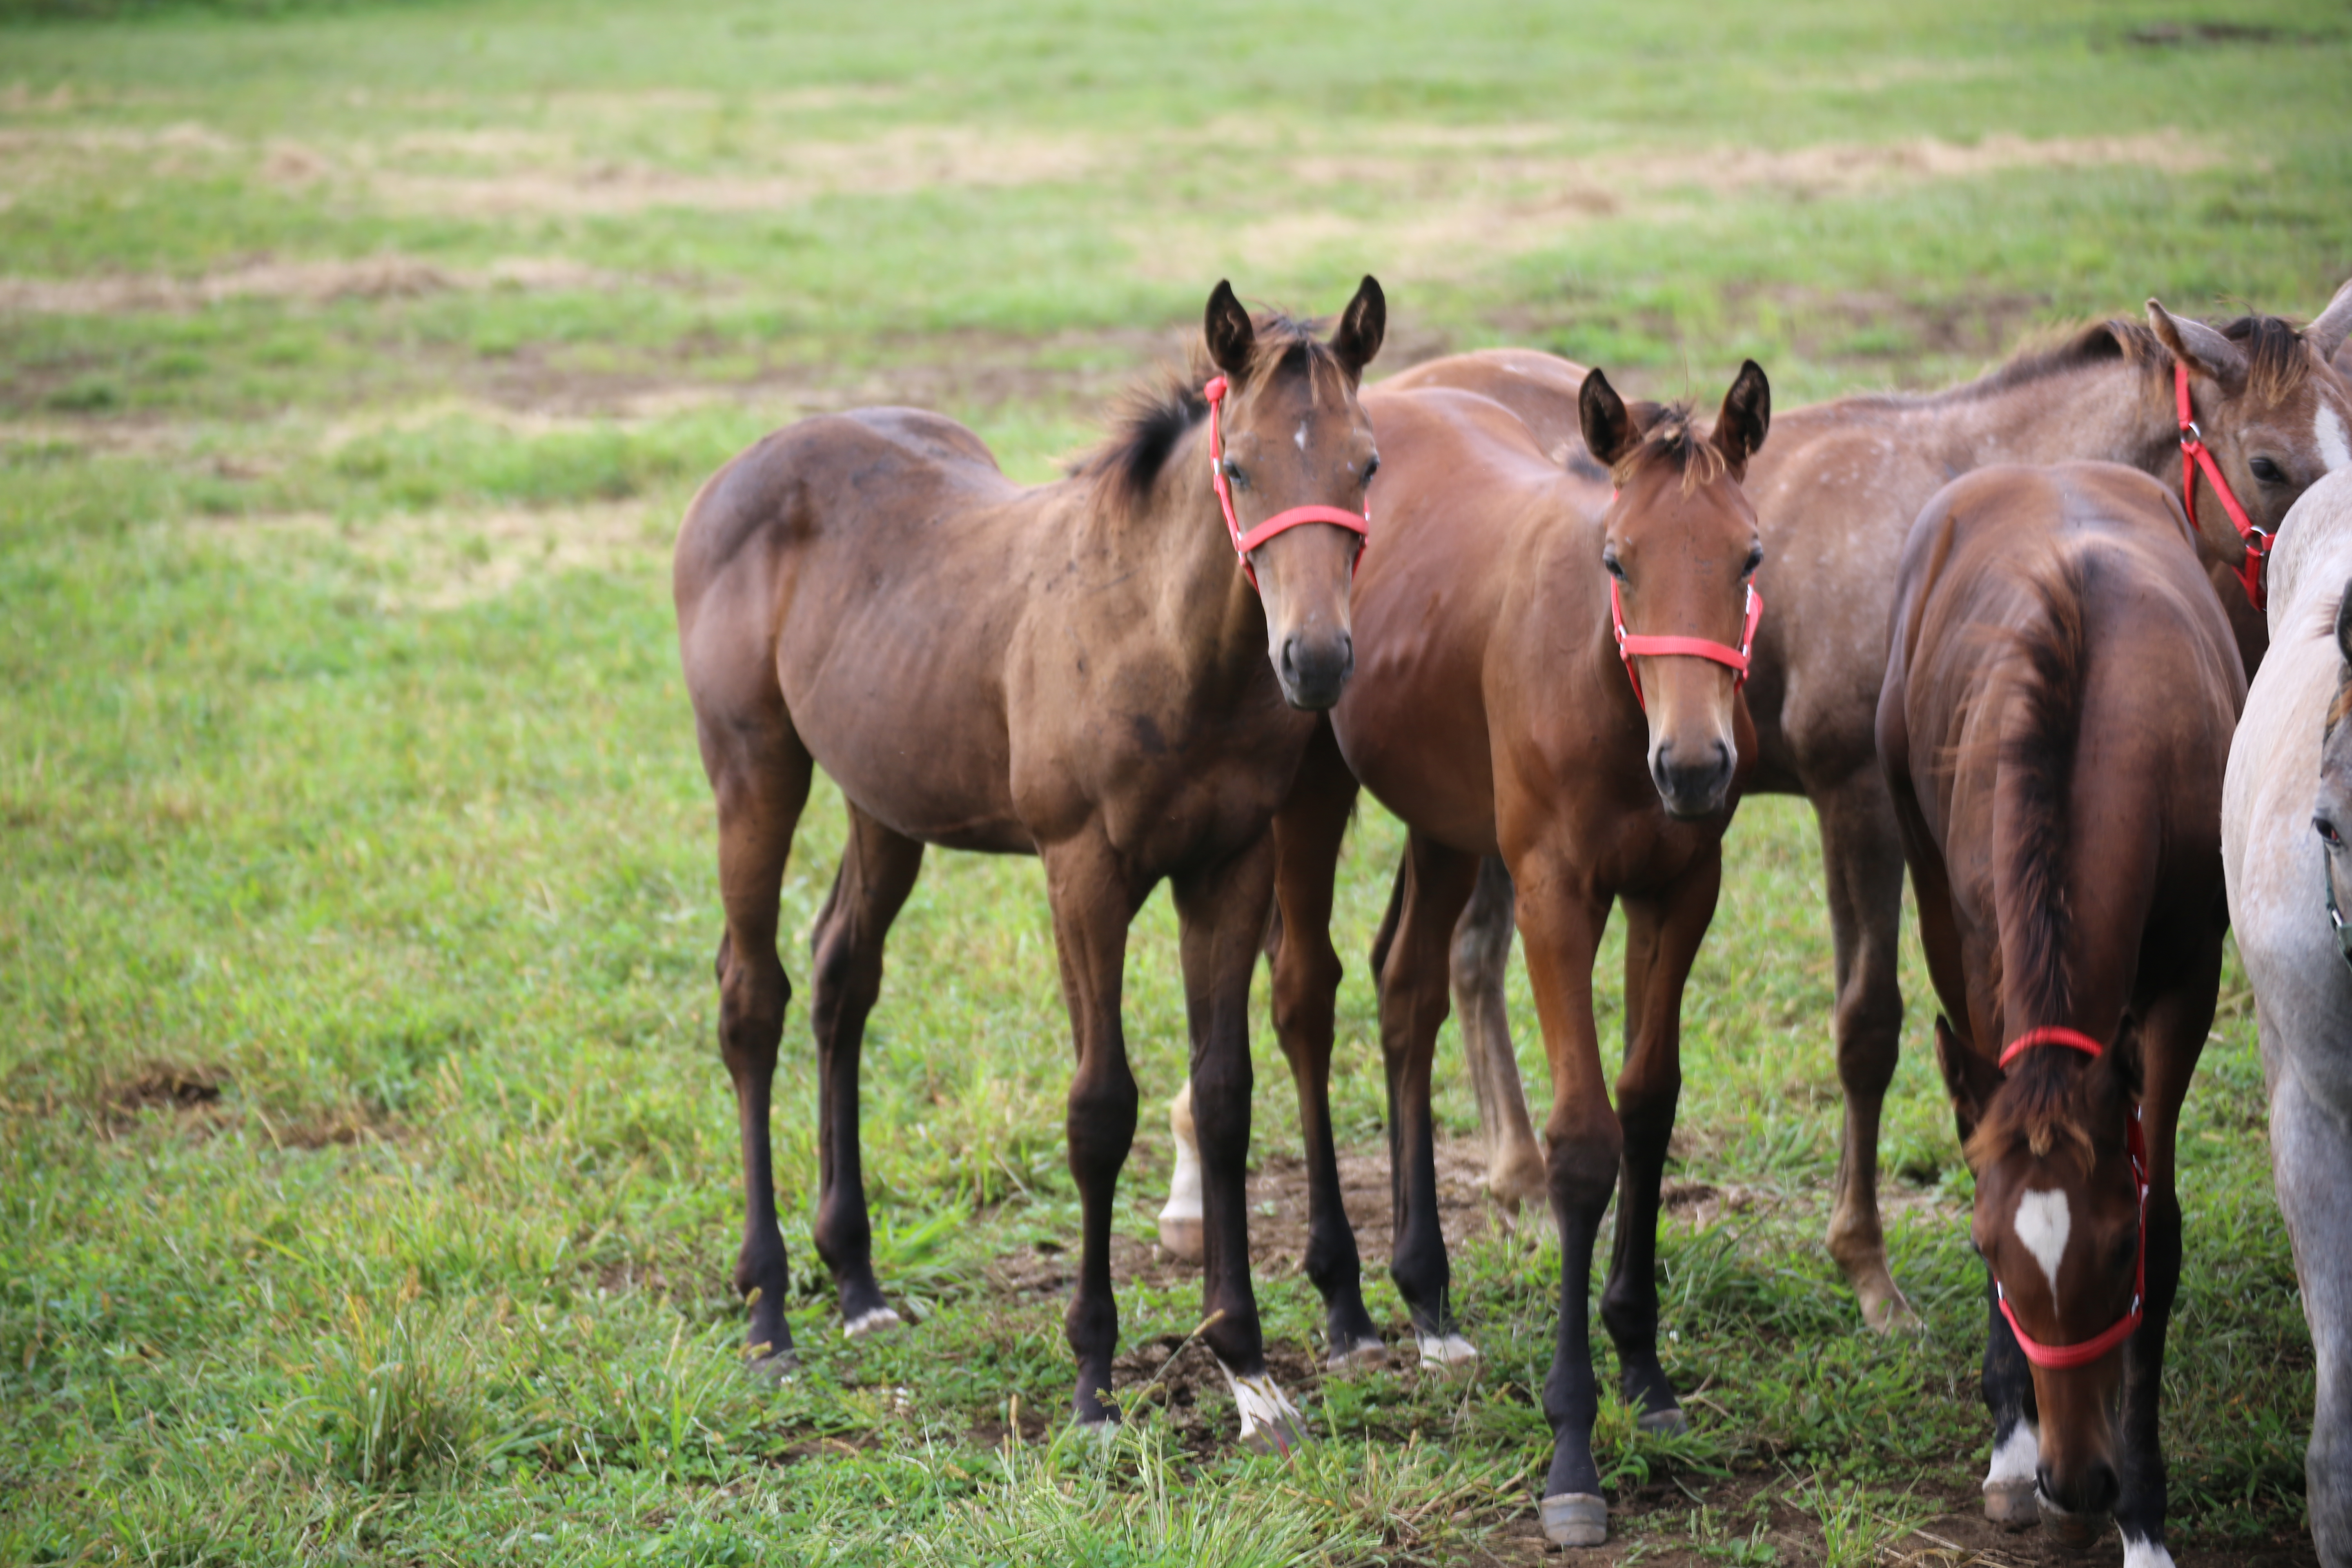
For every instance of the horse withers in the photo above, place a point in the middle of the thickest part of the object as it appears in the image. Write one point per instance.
(1116, 672)
(2059, 700)
(2287, 816)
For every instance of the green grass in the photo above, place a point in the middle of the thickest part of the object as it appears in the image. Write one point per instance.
(369, 1166)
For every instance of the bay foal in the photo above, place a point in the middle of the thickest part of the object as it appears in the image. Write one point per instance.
(1082, 671)
(1525, 691)
(2055, 720)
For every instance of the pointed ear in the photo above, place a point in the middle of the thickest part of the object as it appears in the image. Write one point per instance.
(1609, 431)
(2200, 347)
(1747, 415)
(2325, 334)
(1362, 325)
(1968, 1079)
(1227, 328)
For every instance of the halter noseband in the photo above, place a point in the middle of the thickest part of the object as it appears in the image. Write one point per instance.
(1281, 521)
(2061, 1357)
(2195, 456)
(1635, 644)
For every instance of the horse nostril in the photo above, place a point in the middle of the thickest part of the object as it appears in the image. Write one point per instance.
(1289, 660)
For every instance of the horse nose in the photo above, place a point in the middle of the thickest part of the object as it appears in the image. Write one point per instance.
(1693, 783)
(1314, 669)
(2092, 1497)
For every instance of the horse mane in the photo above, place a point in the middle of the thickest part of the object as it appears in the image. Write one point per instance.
(1153, 417)
(1668, 436)
(2036, 776)
(2277, 362)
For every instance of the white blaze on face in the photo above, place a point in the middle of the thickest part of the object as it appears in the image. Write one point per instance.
(2042, 1223)
(2328, 430)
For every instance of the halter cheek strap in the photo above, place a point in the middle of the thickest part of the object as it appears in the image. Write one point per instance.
(2335, 916)
(2196, 457)
(1361, 524)
(2061, 1357)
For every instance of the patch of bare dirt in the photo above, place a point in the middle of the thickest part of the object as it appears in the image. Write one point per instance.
(311, 282)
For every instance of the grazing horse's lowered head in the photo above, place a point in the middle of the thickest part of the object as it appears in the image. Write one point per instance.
(2058, 1221)
(1682, 548)
(1281, 458)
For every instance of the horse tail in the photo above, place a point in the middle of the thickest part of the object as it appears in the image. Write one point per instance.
(2033, 791)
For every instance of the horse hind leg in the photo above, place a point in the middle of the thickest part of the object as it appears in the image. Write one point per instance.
(760, 774)
(877, 871)
(1515, 1173)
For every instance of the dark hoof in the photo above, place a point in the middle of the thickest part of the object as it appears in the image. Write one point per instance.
(1575, 1518)
(2075, 1532)
(1670, 1422)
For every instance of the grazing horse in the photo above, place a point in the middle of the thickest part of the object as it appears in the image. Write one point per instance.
(2286, 813)
(1562, 688)
(1835, 496)
(2060, 694)
(1083, 671)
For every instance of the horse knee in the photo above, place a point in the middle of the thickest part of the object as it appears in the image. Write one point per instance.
(753, 995)
(1581, 1170)
(1221, 1110)
(1102, 1117)
(1306, 977)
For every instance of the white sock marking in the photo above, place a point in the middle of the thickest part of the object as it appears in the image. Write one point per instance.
(2145, 1554)
(2327, 429)
(2042, 1223)
(1265, 1409)
(1184, 1186)
(2017, 1458)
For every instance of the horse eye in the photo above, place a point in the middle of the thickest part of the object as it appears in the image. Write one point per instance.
(2270, 473)
(1234, 477)
(2327, 831)
(1755, 559)
(1372, 466)
(1608, 559)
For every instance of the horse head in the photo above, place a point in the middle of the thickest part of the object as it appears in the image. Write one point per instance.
(2058, 1221)
(1681, 548)
(2268, 401)
(1295, 461)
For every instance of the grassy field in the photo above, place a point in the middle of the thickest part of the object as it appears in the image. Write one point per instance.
(367, 1167)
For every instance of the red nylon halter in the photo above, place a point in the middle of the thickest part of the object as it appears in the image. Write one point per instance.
(2195, 456)
(1281, 521)
(1632, 646)
(2061, 1357)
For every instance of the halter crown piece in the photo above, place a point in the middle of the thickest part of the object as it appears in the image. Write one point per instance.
(1633, 644)
(1361, 524)
(2061, 1357)
(2195, 456)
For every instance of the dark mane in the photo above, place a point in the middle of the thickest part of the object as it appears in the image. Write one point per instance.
(1669, 438)
(2036, 782)
(2277, 363)
(1152, 417)
(2040, 1104)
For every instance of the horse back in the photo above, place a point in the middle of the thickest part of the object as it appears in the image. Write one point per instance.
(1541, 389)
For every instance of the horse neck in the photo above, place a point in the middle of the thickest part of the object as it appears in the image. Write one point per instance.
(1201, 604)
(2111, 410)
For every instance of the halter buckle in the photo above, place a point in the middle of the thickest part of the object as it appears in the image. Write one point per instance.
(2191, 437)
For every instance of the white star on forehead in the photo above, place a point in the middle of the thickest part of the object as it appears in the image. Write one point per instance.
(2042, 1223)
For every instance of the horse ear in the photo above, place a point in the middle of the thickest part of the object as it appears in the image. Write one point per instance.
(1608, 428)
(1362, 325)
(1227, 328)
(2199, 347)
(2122, 1060)
(1968, 1079)
(2325, 334)
(1747, 415)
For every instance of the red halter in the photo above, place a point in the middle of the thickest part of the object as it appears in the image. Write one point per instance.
(1281, 521)
(2195, 455)
(1631, 646)
(2061, 1357)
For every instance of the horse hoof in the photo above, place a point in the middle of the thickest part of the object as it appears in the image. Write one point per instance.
(1671, 1423)
(1180, 1234)
(2075, 1532)
(1575, 1518)
(1363, 1355)
(1270, 1423)
(1450, 1354)
(874, 1322)
(2012, 1504)
(1886, 1310)
(767, 1365)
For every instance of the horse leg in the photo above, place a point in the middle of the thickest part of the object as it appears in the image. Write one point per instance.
(1561, 924)
(1862, 857)
(1662, 938)
(2171, 1038)
(1220, 911)
(1093, 901)
(1179, 1217)
(1308, 833)
(2311, 1158)
(877, 871)
(759, 776)
(1412, 1006)
(1482, 952)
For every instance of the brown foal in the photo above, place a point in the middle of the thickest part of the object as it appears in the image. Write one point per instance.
(1083, 671)
(1494, 714)
(2054, 724)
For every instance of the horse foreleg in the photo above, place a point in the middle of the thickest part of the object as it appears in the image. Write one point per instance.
(1412, 1006)
(1480, 958)
(1307, 834)
(1561, 925)
(877, 871)
(2311, 1157)
(1662, 938)
(1861, 860)
(1093, 900)
(1220, 911)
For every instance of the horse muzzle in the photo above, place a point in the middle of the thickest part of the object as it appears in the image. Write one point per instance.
(1693, 780)
(1314, 669)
